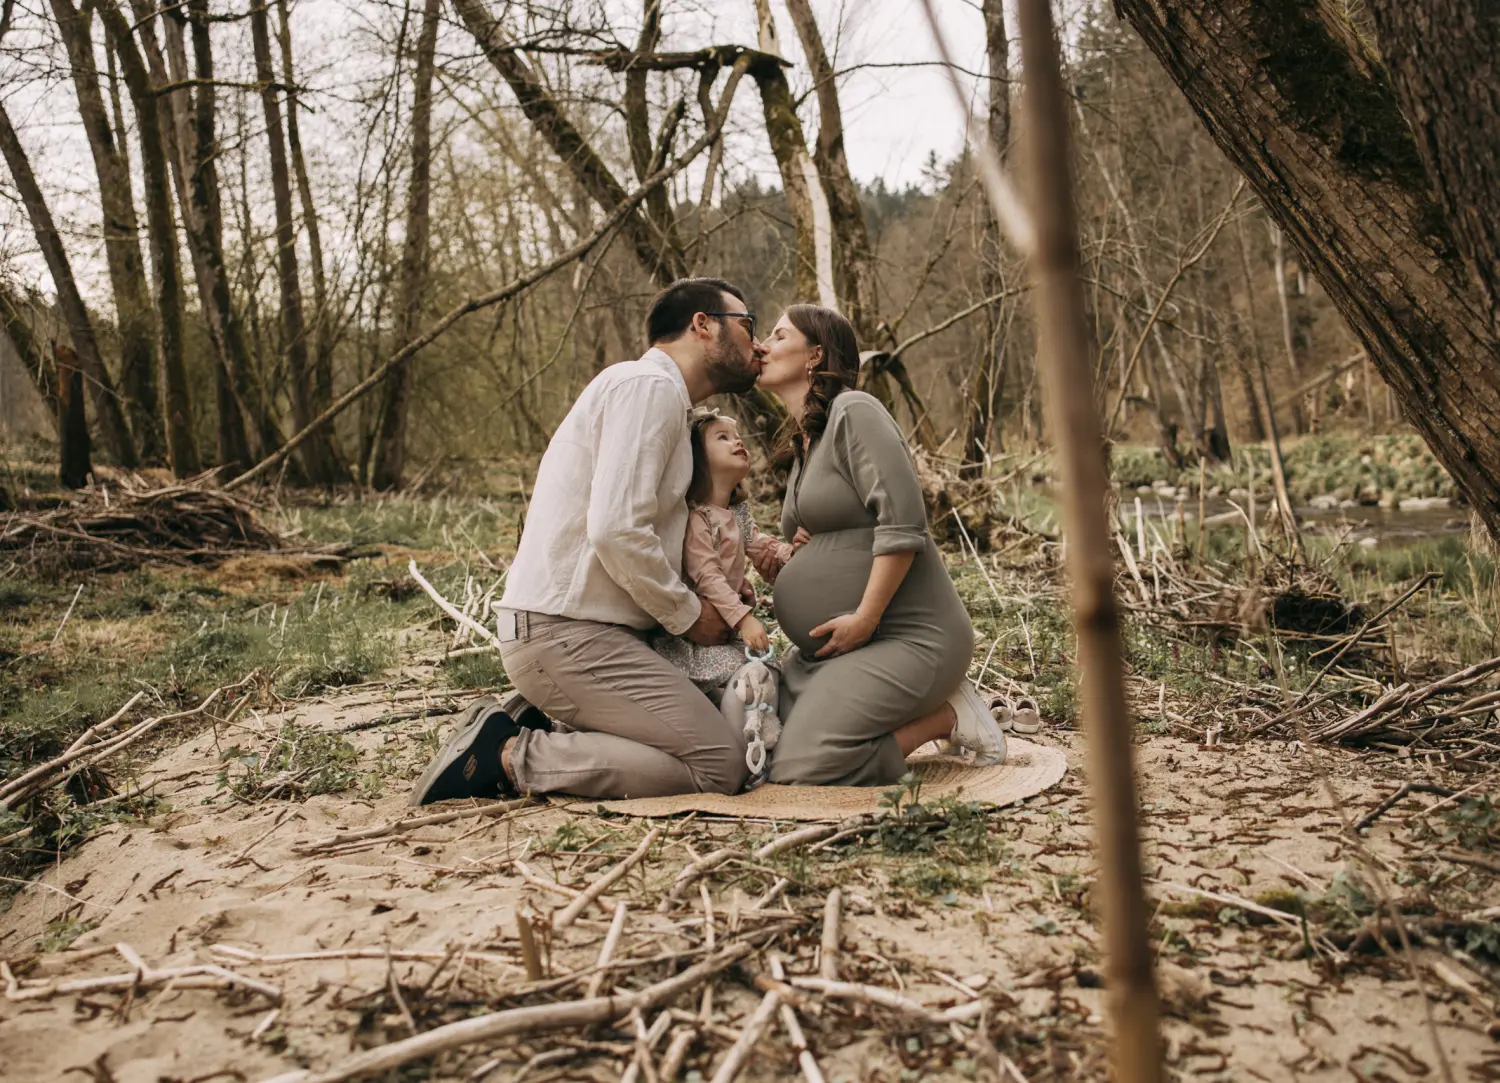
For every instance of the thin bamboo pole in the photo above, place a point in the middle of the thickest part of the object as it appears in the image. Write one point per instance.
(1064, 352)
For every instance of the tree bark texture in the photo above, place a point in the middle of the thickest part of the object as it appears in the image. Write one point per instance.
(182, 448)
(73, 465)
(317, 452)
(1441, 59)
(198, 197)
(989, 377)
(122, 247)
(390, 442)
(69, 301)
(660, 261)
(1394, 227)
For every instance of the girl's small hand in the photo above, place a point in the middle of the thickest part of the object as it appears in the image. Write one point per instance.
(754, 633)
(846, 633)
(801, 538)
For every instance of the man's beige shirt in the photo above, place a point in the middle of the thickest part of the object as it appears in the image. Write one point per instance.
(603, 537)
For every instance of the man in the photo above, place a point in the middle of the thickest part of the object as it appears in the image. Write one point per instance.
(599, 566)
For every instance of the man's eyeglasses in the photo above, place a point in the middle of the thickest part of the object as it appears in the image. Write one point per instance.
(748, 317)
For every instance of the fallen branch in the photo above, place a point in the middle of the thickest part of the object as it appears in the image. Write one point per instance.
(22, 789)
(343, 838)
(828, 953)
(694, 872)
(532, 1020)
(805, 1060)
(885, 998)
(204, 976)
(740, 1052)
(591, 893)
(463, 619)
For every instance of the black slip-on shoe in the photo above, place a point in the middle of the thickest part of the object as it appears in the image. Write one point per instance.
(523, 713)
(468, 764)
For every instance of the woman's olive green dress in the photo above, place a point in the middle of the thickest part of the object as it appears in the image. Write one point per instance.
(858, 495)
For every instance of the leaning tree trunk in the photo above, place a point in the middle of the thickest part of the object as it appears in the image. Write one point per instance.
(1402, 232)
(122, 246)
(69, 300)
(390, 442)
(657, 257)
(317, 451)
(182, 448)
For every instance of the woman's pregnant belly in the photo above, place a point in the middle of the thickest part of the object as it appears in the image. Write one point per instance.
(825, 579)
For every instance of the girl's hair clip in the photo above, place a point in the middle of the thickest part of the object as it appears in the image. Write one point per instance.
(702, 415)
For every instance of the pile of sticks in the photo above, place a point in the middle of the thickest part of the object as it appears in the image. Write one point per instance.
(123, 528)
(646, 959)
(100, 742)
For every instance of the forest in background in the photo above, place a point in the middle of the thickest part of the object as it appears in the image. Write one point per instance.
(290, 283)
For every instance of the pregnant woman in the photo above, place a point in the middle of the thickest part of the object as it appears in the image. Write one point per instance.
(883, 642)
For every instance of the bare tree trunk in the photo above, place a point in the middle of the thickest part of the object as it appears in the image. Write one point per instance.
(182, 447)
(1400, 243)
(812, 273)
(194, 115)
(851, 236)
(323, 316)
(122, 246)
(1247, 380)
(660, 261)
(179, 141)
(1288, 340)
(73, 465)
(390, 444)
(69, 301)
(1130, 982)
(638, 127)
(317, 453)
(989, 377)
(825, 206)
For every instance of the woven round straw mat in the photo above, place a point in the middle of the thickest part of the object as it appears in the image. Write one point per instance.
(1028, 769)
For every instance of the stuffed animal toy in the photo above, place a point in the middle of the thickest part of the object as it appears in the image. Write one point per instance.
(750, 704)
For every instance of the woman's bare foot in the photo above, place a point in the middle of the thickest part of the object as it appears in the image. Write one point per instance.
(932, 726)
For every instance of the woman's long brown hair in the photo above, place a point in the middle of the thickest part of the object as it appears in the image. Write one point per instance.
(836, 373)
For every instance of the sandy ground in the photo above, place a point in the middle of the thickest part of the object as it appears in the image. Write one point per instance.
(214, 872)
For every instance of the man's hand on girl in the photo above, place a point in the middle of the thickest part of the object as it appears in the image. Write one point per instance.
(846, 633)
(801, 538)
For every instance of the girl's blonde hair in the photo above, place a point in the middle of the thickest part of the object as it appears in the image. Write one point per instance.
(702, 484)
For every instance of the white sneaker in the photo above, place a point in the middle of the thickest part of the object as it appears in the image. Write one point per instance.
(975, 729)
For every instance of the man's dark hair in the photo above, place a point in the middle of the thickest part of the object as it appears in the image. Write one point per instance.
(672, 310)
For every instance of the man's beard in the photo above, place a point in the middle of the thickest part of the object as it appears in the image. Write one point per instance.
(728, 369)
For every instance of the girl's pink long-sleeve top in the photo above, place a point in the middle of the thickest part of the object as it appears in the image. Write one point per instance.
(713, 560)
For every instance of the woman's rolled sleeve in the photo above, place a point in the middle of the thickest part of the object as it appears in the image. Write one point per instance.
(873, 455)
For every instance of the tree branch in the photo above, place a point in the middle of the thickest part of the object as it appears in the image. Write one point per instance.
(626, 207)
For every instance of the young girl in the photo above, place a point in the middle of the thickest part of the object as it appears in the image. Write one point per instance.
(720, 535)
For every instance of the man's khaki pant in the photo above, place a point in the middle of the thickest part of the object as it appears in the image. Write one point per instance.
(644, 730)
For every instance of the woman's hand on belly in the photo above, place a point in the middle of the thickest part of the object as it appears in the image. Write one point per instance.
(846, 633)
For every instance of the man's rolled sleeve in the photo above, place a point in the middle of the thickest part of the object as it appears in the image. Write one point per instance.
(637, 420)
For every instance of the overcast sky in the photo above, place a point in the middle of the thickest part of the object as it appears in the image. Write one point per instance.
(895, 117)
